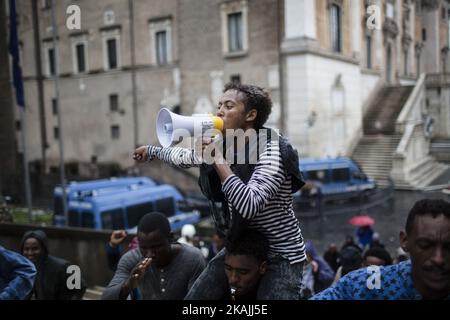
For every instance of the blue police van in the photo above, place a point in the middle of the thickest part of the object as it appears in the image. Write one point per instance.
(123, 209)
(336, 176)
(76, 190)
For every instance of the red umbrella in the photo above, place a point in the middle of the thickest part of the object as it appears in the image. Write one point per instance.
(361, 221)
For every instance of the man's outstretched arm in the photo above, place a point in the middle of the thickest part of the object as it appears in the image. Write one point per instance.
(20, 274)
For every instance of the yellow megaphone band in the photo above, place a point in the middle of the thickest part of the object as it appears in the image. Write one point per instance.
(217, 123)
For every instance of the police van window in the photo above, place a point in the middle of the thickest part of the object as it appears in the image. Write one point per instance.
(74, 220)
(318, 175)
(113, 219)
(359, 175)
(165, 206)
(135, 213)
(341, 174)
(58, 205)
(87, 219)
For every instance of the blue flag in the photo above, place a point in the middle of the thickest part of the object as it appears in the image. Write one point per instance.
(14, 51)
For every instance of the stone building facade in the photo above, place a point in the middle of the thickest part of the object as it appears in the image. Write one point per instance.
(321, 60)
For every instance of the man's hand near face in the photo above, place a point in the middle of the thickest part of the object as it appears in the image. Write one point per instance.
(135, 276)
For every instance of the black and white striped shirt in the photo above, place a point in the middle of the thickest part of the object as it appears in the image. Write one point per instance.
(266, 200)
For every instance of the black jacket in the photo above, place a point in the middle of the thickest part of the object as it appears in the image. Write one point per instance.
(51, 277)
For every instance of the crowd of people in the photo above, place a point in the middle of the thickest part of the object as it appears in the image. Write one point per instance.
(259, 252)
(155, 266)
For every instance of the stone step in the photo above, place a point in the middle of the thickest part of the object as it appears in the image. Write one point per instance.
(389, 153)
(431, 174)
(93, 293)
(366, 158)
(370, 162)
(377, 169)
(384, 110)
(379, 143)
(425, 174)
(377, 146)
(383, 136)
(369, 157)
(374, 163)
(379, 138)
(376, 152)
(378, 176)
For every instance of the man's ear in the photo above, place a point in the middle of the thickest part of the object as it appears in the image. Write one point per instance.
(403, 241)
(263, 267)
(251, 115)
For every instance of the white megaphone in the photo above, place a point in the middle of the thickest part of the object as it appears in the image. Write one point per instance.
(167, 124)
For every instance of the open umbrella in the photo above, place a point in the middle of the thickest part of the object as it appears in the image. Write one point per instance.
(361, 221)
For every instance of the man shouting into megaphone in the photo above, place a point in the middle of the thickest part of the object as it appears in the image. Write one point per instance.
(254, 177)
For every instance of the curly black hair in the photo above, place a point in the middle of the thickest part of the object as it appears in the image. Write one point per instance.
(254, 98)
(427, 206)
(154, 221)
(249, 243)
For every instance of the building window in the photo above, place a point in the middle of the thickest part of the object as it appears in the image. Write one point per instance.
(390, 10)
(18, 125)
(111, 45)
(418, 65)
(114, 102)
(235, 36)
(161, 47)
(56, 133)
(444, 13)
(46, 4)
(234, 27)
(115, 132)
(80, 48)
(369, 51)
(111, 49)
(54, 107)
(424, 34)
(405, 61)
(336, 28)
(235, 78)
(418, 8)
(448, 26)
(79, 54)
(51, 61)
(161, 40)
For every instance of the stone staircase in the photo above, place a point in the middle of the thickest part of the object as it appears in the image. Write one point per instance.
(375, 150)
(374, 155)
(440, 150)
(425, 176)
(383, 112)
